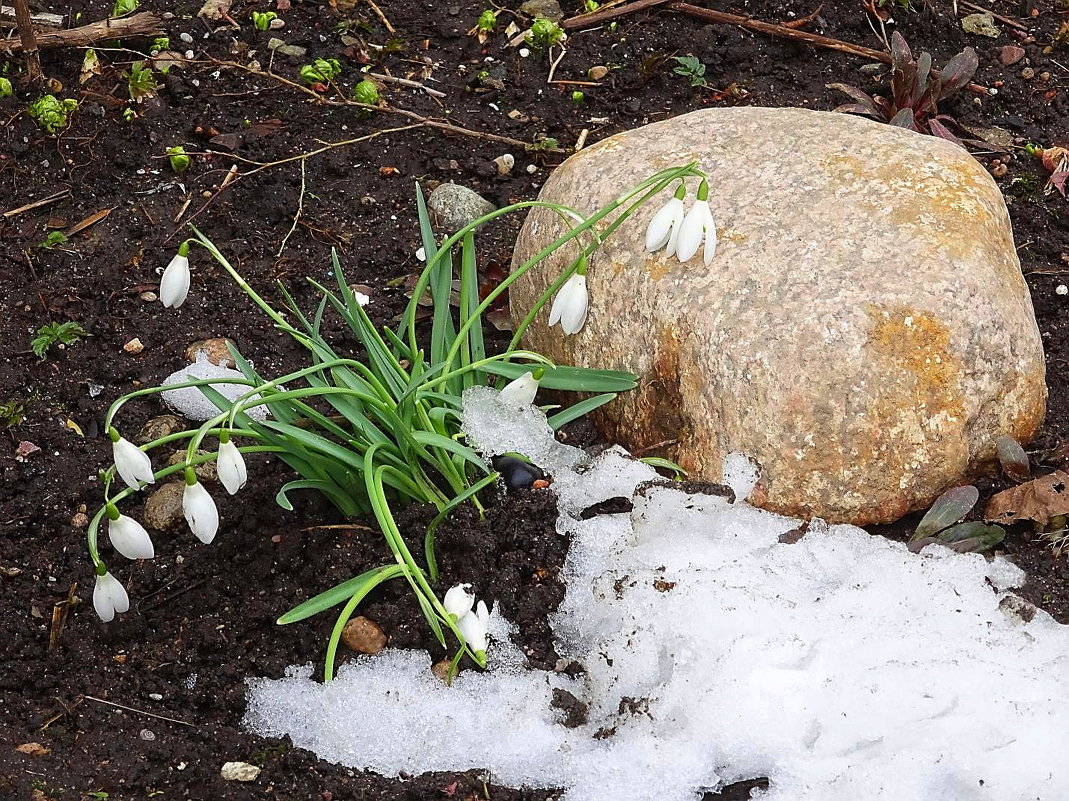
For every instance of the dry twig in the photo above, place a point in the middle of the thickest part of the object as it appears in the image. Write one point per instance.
(28, 42)
(144, 23)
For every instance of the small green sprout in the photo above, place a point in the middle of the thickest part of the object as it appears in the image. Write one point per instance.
(577, 97)
(52, 240)
(544, 143)
(487, 21)
(124, 7)
(261, 20)
(6, 89)
(690, 67)
(128, 114)
(366, 92)
(51, 114)
(140, 81)
(322, 70)
(11, 412)
(160, 43)
(178, 158)
(59, 334)
(544, 33)
(591, 6)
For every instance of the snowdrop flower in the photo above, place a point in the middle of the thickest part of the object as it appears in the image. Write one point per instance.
(109, 595)
(697, 224)
(127, 536)
(664, 227)
(174, 286)
(231, 465)
(570, 306)
(459, 600)
(474, 626)
(199, 508)
(131, 463)
(521, 391)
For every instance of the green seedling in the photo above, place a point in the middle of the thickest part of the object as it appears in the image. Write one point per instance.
(689, 67)
(578, 97)
(53, 239)
(140, 81)
(322, 70)
(52, 114)
(124, 7)
(487, 21)
(6, 89)
(261, 20)
(366, 92)
(544, 34)
(59, 334)
(590, 6)
(179, 160)
(11, 412)
(159, 44)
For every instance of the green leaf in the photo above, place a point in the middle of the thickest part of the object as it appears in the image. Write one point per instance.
(360, 585)
(445, 443)
(579, 409)
(948, 508)
(576, 379)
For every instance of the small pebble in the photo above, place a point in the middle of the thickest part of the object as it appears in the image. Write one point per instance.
(147, 735)
(239, 772)
(189, 55)
(277, 24)
(597, 72)
(133, 346)
(1028, 73)
(524, 52)
(185, 37)
(148, 297)
(532, 169)
(1062, 289)
(155, 696)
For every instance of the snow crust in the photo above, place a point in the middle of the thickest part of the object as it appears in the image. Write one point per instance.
(193, 404)
(842, 667)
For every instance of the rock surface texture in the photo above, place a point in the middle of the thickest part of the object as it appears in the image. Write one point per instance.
(864, 330)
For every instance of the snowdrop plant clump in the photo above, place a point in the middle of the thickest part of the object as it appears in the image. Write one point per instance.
(375, 433)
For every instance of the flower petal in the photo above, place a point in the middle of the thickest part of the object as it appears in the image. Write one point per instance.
(710, 240)
(231, 466)
(129, 538)
(459, 600)
(575, 304)
(201, 513)
(520, 391)
(132, 464)
(663, 224)
(174, 286)
(690, 232)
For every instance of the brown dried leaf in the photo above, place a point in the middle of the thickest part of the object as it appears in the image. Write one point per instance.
(32, 749)
(1038, 500)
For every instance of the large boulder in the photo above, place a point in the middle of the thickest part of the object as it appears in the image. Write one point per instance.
(864, 330)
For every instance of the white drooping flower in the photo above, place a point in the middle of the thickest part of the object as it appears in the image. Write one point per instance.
(109, 596)
(474, 626)
(199, 509)
(231, 467)
(570, 306)
(664, 227)
(131, 463)
(521, 391)
(459, 600)
(129, 537)
(174, 286)
(697, 225)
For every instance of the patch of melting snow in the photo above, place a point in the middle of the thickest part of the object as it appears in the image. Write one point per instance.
(842, 667)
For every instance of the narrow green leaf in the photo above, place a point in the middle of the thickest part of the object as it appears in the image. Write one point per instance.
(579, 409)
(576, 379)
(360, 585)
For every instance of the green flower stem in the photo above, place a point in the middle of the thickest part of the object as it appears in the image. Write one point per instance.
(241, 282)
(94, 524)
(140, 393)
(658, 182)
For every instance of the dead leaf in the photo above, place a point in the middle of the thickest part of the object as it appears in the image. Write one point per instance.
(258, 130)
(32, 749)
(90, 65)
(92, 219)
(214, 9)
(1056, 160)
(1038, 500)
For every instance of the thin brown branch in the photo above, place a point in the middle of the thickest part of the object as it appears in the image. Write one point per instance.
(144, 23)
(28, 42)
(606, 14)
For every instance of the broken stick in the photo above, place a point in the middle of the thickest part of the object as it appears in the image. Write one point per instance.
(28, 42)
(144, 23)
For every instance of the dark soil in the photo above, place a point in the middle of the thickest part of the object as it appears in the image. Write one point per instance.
(209, 612)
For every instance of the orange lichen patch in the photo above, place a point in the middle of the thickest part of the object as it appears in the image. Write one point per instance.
(918, 343)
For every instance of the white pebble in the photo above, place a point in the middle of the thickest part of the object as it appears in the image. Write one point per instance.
(1062, 289)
